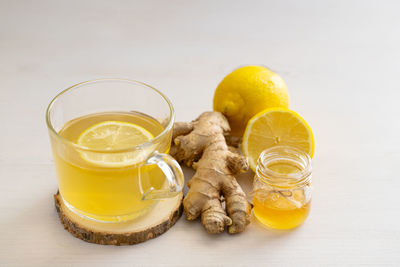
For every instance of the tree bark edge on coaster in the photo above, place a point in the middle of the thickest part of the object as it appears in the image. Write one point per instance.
(157, 221)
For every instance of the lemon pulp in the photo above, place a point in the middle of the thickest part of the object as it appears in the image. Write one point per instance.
(276, 126)
(114, 135)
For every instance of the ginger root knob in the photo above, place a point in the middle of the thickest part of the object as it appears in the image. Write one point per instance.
(201, 144)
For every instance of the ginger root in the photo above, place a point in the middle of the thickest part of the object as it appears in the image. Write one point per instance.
(201, 144)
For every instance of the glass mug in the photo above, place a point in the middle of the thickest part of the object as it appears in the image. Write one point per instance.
(122, 182)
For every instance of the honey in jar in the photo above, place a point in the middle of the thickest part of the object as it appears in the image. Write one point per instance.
(282, 187)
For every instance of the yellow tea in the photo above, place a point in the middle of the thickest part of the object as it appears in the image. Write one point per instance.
(109, 185)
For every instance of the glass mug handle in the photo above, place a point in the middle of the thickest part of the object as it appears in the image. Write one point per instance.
(172, 171)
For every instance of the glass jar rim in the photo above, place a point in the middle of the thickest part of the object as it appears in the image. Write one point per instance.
(278, 179)
(128, 149)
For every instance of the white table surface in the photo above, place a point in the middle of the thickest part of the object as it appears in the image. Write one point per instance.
(341, 62)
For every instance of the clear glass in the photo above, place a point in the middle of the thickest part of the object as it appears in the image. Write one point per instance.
(107, 193)
(282, 187)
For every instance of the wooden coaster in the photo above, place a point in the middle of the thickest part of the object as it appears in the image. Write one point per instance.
(162, 217)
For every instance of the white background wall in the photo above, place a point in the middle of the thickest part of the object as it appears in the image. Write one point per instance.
(340, 60)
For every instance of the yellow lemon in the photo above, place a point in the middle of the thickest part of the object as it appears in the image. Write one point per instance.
(247, 91)
(111, 136)
(276, 126)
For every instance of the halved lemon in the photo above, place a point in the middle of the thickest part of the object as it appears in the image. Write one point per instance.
(276, 126)
(114, 135)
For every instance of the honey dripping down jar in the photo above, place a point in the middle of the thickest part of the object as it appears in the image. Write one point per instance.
(282, 187)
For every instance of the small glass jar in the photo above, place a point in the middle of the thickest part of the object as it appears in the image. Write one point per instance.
(282, 187)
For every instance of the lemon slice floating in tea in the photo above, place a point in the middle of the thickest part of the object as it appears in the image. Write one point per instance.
(114, 135)
(276, 126)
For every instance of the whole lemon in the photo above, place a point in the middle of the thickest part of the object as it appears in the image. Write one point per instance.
(245, 92)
